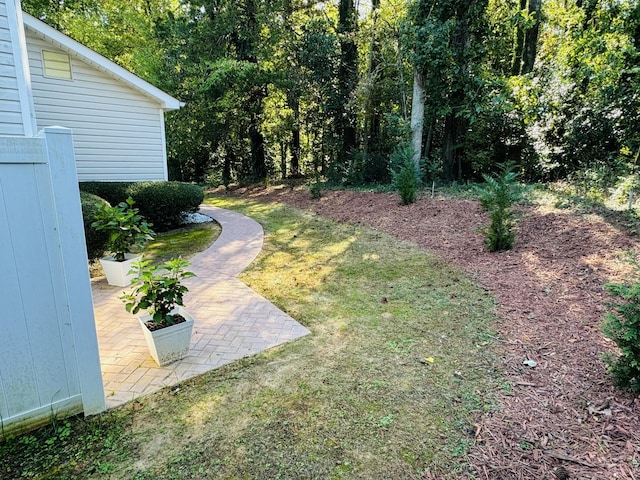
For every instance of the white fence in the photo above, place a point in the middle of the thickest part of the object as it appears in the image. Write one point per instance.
(49, 363)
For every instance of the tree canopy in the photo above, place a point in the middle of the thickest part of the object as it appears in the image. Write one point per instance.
(281, 88)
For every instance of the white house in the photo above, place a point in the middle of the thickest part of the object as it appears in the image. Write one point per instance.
(117, 118)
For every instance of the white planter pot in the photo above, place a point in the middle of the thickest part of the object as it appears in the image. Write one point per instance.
(171, 343)
(117, 273)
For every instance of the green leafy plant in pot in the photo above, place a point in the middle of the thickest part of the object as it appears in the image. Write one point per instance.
(127, 230)
(159, 290)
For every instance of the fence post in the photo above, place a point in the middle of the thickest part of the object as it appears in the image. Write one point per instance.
(66, 196)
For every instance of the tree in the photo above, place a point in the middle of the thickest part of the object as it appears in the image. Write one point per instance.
(447, 39)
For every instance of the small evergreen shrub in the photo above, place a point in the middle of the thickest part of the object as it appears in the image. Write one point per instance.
(163, 203)
(315, 187)
(112, 192)
(96, 240)
(497, 196)
(622, 325)
(405, 175)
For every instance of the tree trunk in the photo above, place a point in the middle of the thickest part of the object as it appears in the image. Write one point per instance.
(258, 162)
(516, 62)
(283, 159)
(531, 38)
(429, 142)
(372, 100)
(294, 104)
(347, 78)
(417, 116)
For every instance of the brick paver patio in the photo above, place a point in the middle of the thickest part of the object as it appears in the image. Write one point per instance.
(232, 321)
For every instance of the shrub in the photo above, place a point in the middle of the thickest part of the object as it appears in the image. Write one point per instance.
(125, 227)
(163, 203)
(497, 196)
(315, 187)
(405, 174)
(112, 192)
(622, 325)
(96, 240)
(158, 288)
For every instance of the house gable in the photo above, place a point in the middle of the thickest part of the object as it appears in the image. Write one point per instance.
(117, 118)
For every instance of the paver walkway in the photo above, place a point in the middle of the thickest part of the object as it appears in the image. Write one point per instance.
(231, 320)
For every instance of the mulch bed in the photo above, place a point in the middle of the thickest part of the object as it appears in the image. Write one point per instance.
(563, 418)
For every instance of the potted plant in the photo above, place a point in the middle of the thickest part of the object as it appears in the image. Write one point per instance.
(126, 230)
(159, 290)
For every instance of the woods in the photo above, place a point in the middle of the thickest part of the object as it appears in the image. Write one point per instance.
(284, 88)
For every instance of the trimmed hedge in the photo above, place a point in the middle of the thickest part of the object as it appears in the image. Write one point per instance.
(95, 240)
(112, 192)
(161, 203)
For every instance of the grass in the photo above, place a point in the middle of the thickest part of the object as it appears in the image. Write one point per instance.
(387, 386)
(185, 241)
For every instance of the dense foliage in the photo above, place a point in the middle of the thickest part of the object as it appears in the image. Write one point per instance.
(96, 240)
(164, 203)
(158, 289)
(293, 87)
(126, 229)
(622, 325)
(161, 203)
(497, 195)
(405, 174)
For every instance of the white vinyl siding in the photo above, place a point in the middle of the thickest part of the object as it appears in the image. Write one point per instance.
(11, 118)
(118, 132)
(56, 64)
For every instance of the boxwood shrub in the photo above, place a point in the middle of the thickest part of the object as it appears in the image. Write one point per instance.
(112, 192)
(96, 240)
(162, 203)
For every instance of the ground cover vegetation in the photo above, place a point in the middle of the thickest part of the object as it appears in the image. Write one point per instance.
(299, 87)
(558, 413)
(397, 368)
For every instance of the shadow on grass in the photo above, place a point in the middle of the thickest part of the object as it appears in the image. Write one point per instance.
(399, 363)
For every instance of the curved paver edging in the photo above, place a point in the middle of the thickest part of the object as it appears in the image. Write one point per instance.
(231, 320)
(239, 243)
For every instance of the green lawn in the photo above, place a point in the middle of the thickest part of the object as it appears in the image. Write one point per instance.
(387, 386)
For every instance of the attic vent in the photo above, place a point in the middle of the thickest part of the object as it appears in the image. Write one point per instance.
(56, 65)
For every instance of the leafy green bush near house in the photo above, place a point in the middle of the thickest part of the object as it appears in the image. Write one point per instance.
(96, 240)
(112, 192)
(163, 203)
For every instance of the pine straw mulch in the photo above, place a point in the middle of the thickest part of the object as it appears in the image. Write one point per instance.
(562, 419)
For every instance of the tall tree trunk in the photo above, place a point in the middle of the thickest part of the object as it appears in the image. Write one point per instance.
(518, 44)
(258, 161)
(417, 115)
(294, 103)
(429, 142)
(283, 159)
(372, 101)
(244, 41)
(229, 160)
(531, 38)
(347, 77)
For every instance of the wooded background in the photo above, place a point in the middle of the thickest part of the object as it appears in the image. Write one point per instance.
(283, 88)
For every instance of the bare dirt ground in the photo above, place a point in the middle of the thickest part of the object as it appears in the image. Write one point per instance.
(563, 418)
